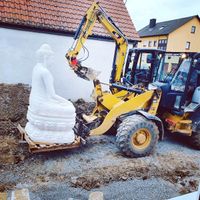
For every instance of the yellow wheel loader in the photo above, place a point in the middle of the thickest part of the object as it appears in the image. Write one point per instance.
(129, 108)
(138, 111)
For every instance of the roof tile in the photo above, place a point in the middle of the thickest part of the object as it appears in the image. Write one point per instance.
(63, 15)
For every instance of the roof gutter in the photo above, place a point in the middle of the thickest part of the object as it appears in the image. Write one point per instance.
(56, 32)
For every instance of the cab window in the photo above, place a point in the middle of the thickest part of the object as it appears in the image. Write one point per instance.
(180, 78)
(143, 67)
(144, 61)
(168, 67)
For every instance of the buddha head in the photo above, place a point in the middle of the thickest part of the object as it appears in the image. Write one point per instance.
(45, 55)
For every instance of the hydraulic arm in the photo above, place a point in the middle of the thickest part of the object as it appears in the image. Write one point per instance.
(96, 12)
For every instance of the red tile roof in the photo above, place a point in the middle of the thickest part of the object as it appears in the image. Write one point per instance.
(63, 15)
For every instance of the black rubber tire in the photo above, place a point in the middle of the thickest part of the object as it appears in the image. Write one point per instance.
(195, 140)
(128, 127)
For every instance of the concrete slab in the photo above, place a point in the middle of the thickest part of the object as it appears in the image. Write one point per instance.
(96, 196)
(190, 196)
(3, 196)
(22, 194)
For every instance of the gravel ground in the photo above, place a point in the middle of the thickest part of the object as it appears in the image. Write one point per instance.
(172, 170)
(121, 190)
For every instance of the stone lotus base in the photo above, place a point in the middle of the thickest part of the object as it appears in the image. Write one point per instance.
(48, 136)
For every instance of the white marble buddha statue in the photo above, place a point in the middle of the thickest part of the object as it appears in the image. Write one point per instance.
(50, 117)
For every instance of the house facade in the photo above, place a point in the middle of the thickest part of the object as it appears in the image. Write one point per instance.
(179, 35)
(26, 25)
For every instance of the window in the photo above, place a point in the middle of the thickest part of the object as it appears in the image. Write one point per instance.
(193, 29)
(150, 44)
(142, 61)
(162, 44)
(187, 46)
(128, 71)
(168, 67)
(145, 43)
(180, 78)
(143, 68)
(155, 43)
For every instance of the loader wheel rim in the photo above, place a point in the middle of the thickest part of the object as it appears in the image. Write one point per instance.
(141, 138)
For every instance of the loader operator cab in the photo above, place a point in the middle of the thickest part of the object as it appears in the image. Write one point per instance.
(178, 93)
(168, 66)
(142, 65)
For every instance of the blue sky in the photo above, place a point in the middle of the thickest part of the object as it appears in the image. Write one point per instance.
(143, 10)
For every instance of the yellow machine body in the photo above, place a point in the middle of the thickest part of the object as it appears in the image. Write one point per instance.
(93, 14)
(178, 124)
(120, 103)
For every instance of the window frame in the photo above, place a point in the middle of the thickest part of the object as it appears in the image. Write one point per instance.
(193, 29)
(145, 43)
(187, 47)
(150, 43)
(162, 44)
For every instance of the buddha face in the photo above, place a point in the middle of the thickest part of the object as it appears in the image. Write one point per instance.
(49, 60)
(45, 55)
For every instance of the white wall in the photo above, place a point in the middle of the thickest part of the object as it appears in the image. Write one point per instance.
(17, 59)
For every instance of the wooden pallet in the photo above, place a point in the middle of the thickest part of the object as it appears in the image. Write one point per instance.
(36, 147)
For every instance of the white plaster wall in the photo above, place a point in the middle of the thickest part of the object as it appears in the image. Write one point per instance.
(17, 59)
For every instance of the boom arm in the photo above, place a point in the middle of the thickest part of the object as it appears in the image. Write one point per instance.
(95, 12)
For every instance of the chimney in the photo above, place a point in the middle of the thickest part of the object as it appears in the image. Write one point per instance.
(152, 23)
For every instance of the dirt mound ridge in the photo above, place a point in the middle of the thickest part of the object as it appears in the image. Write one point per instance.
(174, 167)
(13, 109)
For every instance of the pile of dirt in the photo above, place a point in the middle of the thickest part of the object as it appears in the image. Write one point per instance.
(173, 167)
(6, 187)
(11, 151)
(13, 109)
